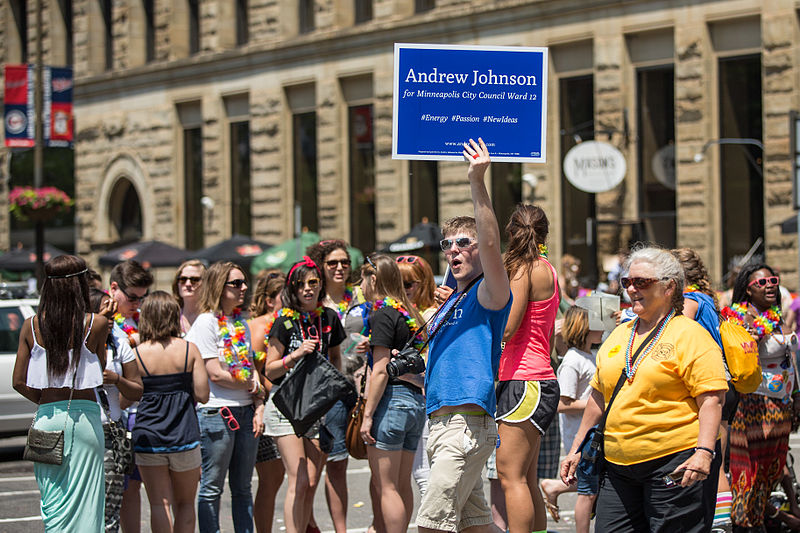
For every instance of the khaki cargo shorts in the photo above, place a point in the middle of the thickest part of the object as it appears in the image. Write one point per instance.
(458, 447)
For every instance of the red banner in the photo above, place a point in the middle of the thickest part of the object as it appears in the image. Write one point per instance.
(18, 106)
(56, 103)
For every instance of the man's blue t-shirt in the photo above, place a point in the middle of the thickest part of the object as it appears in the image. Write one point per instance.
(464, 355)
(706, 315)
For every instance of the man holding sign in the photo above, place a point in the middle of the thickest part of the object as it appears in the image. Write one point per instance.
(463, 360)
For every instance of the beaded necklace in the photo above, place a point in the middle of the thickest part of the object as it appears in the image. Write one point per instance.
(763, 323)
(130, 330)
(344, 304)
(236, 352)
(411, 322)
(630, 371)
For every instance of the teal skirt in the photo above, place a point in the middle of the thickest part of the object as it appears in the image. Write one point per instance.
(73, 493)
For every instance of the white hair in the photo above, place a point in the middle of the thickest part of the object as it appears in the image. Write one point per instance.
(666, 266)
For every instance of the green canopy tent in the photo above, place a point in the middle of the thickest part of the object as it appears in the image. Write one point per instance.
(282, 256)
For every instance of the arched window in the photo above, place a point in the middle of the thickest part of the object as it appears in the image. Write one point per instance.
(124, 211)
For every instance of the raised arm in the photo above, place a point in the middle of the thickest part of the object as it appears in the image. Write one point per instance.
(493, 293)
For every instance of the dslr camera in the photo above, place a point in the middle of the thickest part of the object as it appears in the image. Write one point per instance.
(408, 361)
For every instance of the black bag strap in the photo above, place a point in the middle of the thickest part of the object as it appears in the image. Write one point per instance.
(602, 425)
(445, 318)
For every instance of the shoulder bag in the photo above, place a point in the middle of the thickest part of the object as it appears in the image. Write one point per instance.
(591, 449)
(47, 446)
(355, 446)
(121, 447)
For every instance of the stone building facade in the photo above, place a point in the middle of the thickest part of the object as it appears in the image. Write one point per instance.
(196, 119)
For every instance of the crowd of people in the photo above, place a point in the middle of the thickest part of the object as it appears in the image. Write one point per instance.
(492, 372)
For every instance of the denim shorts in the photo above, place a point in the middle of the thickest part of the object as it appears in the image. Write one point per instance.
(587, 485)
(336, 422)
(397, 422)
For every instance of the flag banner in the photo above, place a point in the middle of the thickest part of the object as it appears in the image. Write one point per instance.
(18, 106)
(446, 94)
(58, 106)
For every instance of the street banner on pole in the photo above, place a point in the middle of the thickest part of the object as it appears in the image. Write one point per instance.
(446, 94)
(56, 109)
(18, 113)
(58, 106)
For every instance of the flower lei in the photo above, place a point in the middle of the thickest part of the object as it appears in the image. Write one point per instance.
(129, 330)
(295, 315)
(419, 341)
(542, 250)
(344, 305)
(763, 323)
(262, 356)
(630, 370)
(691, 288)
(236, 351)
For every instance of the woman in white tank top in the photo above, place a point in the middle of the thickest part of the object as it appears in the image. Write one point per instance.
(60, 349)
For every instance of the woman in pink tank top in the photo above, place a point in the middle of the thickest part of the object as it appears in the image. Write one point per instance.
(527, 394)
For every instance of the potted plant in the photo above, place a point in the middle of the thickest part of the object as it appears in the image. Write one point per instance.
(38, 204)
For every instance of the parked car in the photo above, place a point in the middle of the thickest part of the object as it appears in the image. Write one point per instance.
(16, 412)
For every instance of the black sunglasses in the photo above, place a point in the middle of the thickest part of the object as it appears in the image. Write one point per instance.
(236, 283)
(461, 242)
(333, 263)
(133, 299)
(408, 284)
(194, 280)
(639, 283)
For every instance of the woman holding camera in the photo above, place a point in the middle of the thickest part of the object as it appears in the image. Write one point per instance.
(395, 410)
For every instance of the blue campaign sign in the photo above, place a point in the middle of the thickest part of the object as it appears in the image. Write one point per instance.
(446, 94)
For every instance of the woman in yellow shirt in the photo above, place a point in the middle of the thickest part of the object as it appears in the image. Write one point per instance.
(666, 417)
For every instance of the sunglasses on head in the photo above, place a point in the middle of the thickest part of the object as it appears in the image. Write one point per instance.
(133, 299)
(194, 280)
(333, 263)
(461, 242)
(763, 282)
(312, 283)
(371, 263)
(407, 259)
(228, 417)
(639, 283)
(236, 283)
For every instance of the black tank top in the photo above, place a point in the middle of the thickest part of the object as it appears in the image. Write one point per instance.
(166, 421)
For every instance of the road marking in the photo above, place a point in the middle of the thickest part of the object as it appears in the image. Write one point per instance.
(21, 519)
(22, 478)
(19, 493)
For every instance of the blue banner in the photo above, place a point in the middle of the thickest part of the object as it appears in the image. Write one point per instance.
(446, 94)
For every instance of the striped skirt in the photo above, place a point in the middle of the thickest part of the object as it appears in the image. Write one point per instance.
(758, 445)
(73, 493)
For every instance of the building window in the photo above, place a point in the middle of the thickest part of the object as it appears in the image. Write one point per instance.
(363, 11)
(576, 112)
(66, 18)
(305, 168)
(242, 23)
(741, 174)
(193, 186)
(306, 15)
(240, 177)
(506, 191)
(362, 177)
(194, 26)
(149, 30)
(126, 212)
(655, 103)
(423, 186)
(19, 12)
(421, 6)
(108, 29)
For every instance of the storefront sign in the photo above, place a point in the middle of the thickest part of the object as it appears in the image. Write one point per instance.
(594, 166)
(445, 95)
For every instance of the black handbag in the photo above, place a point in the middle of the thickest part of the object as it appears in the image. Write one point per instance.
(121, 446)
(309, 391)
(592, 460)
(47, 446)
